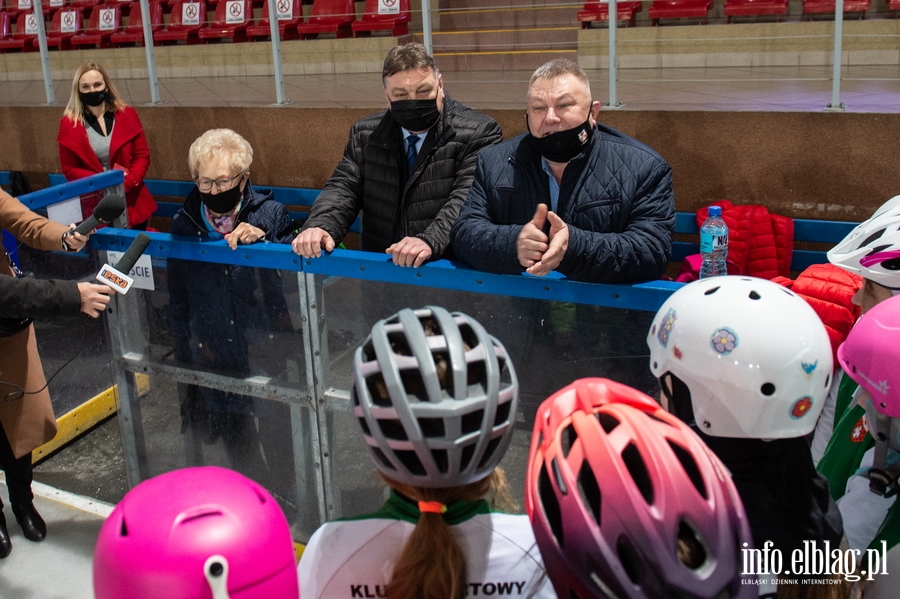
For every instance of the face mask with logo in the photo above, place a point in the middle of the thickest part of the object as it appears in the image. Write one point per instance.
(224, 201)
(93, 98)
(563, 146)
(416, 115)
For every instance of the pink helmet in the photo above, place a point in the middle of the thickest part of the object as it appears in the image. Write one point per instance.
(869, 356)
(196, 533)
(627, 501)
(871, 353)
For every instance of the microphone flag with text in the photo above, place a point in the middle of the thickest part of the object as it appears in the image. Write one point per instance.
(116, 277)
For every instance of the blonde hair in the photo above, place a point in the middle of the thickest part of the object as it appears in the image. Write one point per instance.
(557, 68)
(432, 564)
(218, 144)
(75, 109)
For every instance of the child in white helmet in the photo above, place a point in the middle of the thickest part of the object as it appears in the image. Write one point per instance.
(436, 398)
(865, 251)
(748, 364)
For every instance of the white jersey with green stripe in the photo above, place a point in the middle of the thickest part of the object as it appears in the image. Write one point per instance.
(354, 558)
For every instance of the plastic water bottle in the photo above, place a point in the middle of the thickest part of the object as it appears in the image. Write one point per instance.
(714, 244)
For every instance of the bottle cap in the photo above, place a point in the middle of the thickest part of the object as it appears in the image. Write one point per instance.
(715, 211)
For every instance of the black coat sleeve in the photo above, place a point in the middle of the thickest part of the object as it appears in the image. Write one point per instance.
(37, 298)
(437, 235)
(340, 201)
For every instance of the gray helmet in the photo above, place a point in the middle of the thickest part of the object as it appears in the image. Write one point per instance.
(436, 398)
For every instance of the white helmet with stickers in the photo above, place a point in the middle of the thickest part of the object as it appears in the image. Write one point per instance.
(741, 357)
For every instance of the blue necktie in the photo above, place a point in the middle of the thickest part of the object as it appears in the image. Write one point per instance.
(412, 140)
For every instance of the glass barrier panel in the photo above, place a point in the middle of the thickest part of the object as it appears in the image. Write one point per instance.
(222, 346)
(78, 338)
(550, 344)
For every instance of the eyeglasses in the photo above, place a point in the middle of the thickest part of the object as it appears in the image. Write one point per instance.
(223, 184)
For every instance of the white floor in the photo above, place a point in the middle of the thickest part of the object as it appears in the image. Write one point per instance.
(60, 566)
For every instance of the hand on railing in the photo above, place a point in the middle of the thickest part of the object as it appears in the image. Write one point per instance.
(409, 251)
(311, 242)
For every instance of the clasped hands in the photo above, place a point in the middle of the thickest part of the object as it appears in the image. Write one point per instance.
(538, 252)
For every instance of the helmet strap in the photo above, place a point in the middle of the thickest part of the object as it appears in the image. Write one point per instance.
(680, 404)
(883, 477)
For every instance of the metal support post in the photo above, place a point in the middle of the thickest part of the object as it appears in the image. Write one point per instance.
(613, 55)
(151, 57)
(426, 25)
(276, 49)
(310, 303)
(126, 339)
(836, 105)
(45, 57)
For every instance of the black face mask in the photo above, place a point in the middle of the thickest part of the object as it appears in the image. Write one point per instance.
(416, 115)
(563, 146)
(93, 98)
(224, 201)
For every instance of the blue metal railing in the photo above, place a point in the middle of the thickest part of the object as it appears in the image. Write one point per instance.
(289, 196)
(440, 274)
(64, 191)
(820, 231)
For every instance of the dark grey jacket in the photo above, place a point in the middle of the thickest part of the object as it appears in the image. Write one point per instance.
(29, 298)
(372, 177)
(616, 198)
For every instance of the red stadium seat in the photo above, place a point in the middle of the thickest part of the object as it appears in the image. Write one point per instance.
(20, 6)
(49, 6)
(65, 24)
(83, 4)
(894, 7)
(124, 5)
(755, 8)
(231, 21)
(102, 24)
(25, 32)
(395, 22)
(186, 20)
(329, 16)
(679, 9)
(290, 14)
(826, 7)
(133, 32)
(5, 26)
(598, 10)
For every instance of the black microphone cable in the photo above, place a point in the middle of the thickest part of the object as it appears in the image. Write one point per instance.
(19, 392)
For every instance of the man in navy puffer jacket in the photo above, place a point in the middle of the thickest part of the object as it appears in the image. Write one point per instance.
(571, 195)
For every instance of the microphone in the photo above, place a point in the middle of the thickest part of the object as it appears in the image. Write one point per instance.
(116, 277)
(109, 209)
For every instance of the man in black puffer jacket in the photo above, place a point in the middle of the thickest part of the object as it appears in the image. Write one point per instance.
(571, 195)
(408, 169)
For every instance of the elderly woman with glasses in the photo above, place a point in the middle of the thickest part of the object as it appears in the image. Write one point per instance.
(219, 311)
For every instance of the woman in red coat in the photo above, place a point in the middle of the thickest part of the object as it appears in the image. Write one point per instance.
(99, 132)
